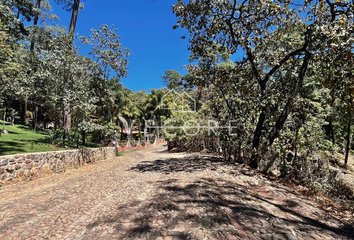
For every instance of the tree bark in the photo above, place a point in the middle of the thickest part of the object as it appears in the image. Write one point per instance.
(199, 97)
(35, 23)
(64, 128)
(331, 119)
(35, 117)
(75, 12)
(26, 106)
(258, 131)
(3, 126)
(289, 105)
(348, 139)
(55, 129)
(83, 138)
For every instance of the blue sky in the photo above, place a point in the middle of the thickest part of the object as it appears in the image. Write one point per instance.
(146, 29)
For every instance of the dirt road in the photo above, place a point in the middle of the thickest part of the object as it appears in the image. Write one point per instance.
(153, 194)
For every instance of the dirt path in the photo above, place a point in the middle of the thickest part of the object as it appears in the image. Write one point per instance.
(152, 194)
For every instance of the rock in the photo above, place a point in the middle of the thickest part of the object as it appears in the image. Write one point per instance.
(232, 237)
(267, 236)
(10, 176)
(280, 237)
(27, 173)
(10, 169)
(45, 168)
(275, 172)
(21, 175)
(4, 162)
(19, 160)
(35, 165)
(241, 234)
(35, 171)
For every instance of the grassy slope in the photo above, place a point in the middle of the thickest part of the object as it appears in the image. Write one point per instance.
(22, 139)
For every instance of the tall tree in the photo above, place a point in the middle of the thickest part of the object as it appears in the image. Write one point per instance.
(173, 80)
(272, 35)
(74, 7)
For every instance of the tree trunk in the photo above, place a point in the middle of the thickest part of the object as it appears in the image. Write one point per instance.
(274, 133)
(64, 136)
(74, 15)
(198, 100)
(3, 126)
(35, 23)
(35, 117)
(26, 106)
(289, 105)
(348, 139)
(68, 117)
(64, 128)
(83, 138)
(55, 129)
(77, 140)
(331, 130)
(256, 139)
(258, 132)
(72, 27)
(18, 13)
(121, 132)
(13, 119)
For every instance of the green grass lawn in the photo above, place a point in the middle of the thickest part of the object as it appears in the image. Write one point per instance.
(22, 139)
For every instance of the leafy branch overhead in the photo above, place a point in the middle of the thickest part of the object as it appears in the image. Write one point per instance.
(274, 38)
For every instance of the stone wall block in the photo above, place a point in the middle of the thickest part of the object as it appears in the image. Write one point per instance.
(10, 168)
(35, 171)
(10, 176)
(35, 165)
(27, 173)
(29, 166)
(4, 162)
(3, 176)
(45, 168)
(21, 175)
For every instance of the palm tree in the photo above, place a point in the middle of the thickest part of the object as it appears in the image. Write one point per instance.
(153, 106)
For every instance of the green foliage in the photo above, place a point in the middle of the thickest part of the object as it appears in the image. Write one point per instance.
(172, 80)
(107, 51)
(11, 14)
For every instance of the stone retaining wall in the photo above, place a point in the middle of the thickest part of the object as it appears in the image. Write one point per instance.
(26, 166)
